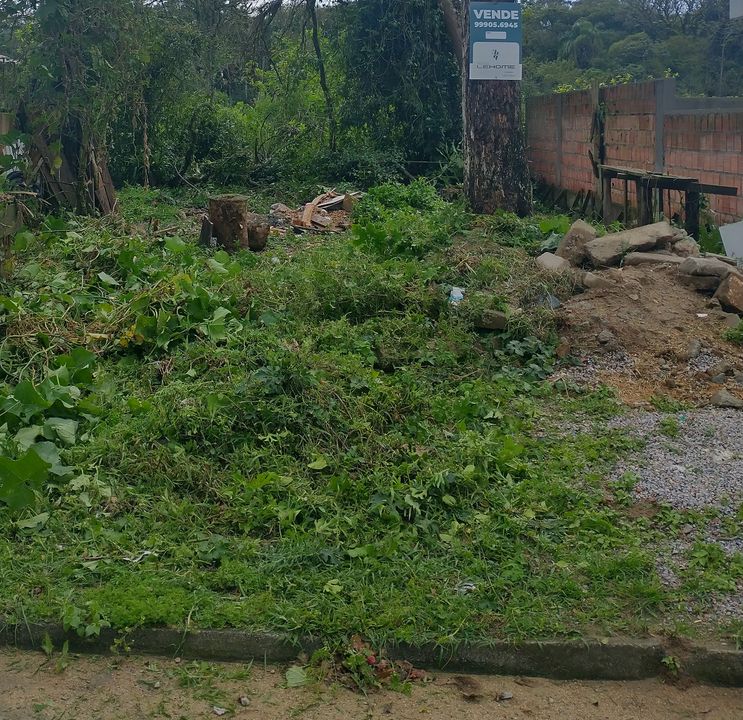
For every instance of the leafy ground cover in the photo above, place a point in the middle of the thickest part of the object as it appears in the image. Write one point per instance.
(313, 440)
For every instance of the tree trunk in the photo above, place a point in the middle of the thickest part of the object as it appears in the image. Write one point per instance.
(496, 171)
(229, 217)
(329, 109)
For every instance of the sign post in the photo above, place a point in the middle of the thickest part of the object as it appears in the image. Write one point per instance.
(495, 41)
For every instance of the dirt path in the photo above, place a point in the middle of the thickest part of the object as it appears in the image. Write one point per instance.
(33, 688)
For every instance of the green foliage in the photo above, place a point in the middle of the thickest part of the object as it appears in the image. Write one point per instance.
(38, 420)
(400, 80)
(568, 46)
(341, 453)
(735, 335)
(396, 220)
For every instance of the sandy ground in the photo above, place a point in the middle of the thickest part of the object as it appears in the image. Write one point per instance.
(133, 688)
(634, 335)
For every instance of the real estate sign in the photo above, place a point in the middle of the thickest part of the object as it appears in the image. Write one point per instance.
(495, 41)
(736, 9)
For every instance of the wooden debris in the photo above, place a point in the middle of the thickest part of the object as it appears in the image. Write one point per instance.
(329, 212)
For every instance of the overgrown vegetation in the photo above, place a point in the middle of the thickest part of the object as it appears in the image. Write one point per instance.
(313, 440)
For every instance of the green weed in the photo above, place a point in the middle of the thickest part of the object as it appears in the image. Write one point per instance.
(310, 441)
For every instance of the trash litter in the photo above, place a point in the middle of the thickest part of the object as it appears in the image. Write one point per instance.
(466, 587)
(456, 295)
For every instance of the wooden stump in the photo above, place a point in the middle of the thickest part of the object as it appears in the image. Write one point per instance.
(229, 217)
(258, 230)
(233, 226)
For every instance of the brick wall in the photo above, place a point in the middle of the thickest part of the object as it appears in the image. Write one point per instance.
(646, 127)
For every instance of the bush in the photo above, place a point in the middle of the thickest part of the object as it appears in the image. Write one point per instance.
(396, 220)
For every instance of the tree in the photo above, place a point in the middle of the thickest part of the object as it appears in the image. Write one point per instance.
(582, 44)
(496, 172)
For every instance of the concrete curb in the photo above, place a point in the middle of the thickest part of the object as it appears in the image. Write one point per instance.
(589, 659)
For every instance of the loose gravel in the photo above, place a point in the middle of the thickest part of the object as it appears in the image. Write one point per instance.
(700, 468)
(587, 371)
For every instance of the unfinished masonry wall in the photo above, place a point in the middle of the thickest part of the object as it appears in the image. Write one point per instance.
(647, 127)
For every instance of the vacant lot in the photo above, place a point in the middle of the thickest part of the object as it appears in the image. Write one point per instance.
(315, 440)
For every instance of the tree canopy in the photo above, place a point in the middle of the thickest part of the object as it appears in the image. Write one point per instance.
(255, 90)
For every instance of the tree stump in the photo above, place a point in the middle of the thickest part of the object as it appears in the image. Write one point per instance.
(229, 217)
(233, 226)
(258, 230)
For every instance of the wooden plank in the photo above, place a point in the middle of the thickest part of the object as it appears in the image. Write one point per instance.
(714, 189)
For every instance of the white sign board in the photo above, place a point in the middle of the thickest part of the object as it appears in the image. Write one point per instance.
(495, 41)
(732, 239)
(736, 9)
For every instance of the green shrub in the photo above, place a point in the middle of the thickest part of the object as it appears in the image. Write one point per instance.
(396, 220)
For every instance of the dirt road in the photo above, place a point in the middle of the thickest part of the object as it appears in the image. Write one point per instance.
(33, 687)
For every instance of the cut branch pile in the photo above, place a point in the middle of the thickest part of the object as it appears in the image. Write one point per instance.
(329, 212)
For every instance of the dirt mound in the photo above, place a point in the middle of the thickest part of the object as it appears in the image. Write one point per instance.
(648, 335)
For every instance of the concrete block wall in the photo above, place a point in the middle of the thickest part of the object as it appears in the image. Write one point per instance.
(646, 126)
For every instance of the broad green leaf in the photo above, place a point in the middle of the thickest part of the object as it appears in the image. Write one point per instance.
(319, 464)
(30, 398)
(49, 453)
(296, 677)
(21, 240)
(216, 267)
(19, 478)
(108, 280)
(175, 245)
(34, 523)
(63, 429)
(26, 437)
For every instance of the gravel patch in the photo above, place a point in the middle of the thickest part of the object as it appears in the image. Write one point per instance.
(703, 362)
(701, 468)
(617, 362)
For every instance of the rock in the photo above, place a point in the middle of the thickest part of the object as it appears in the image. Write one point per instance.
(691, 351)
(244, 700)
(492, 320)
(609, 250)
(605, 337)
(638, 258)
(549, 301)
(686, 248)
(700, 283)
(730, 292)
(722, 258)
(705, 266)
(553, 264)
(713, 304)
(721, 368)
(573, 246)
(731, 319)
(504, 696)
(591, 281)
(725, 399)
(563, 349)
(720, 379)
(738, 377)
